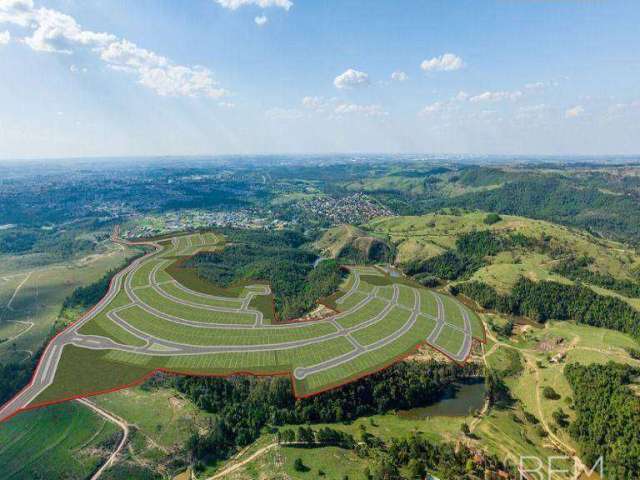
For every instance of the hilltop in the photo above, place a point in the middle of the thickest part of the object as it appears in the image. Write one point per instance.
(517, 247)
(353, 244)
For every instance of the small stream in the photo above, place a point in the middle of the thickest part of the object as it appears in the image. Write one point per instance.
(459, 401)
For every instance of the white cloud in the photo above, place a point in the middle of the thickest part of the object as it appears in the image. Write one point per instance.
(18, 12)
(57, 32)
(535, 86)
(76, 69)
(5, 37)
(496, 96)
(350, 79)
(431, 109)
(314, 103)
(53, 31)
(235, 4)
(399, 76)
(284, 114)
(533, 108)
(261, 20)
(366, 110)
(444, 63)
(574, 112)
(462, 96)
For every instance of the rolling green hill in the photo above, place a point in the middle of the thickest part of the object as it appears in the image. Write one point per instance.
(546, 249)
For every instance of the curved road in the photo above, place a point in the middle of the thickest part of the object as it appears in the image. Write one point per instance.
(46, 368)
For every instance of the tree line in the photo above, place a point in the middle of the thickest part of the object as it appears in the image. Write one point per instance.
(545, 300)
(413, 457)
(243, 406)
(577, 269)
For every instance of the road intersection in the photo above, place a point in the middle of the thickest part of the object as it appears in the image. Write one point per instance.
(154, 345)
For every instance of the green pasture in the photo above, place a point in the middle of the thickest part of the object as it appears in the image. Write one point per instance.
(59, 442)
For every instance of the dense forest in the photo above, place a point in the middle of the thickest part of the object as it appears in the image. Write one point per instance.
(274, 257)
(58, 245)
(562, 200)
(15, 375)
(607, 417)
(546, 300)
(244, 405)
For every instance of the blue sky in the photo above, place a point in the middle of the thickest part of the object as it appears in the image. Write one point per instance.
(91, 78)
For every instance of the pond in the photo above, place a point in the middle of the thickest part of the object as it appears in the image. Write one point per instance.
(459, 401)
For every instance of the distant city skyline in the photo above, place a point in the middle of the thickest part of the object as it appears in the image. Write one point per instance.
(216, 77)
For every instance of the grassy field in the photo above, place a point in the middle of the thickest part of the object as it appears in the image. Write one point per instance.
(161, 414)
(429, 235)
(328, 462)
(65, 441)
(43, 289)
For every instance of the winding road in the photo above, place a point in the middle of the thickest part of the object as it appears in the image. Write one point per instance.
(46, 369)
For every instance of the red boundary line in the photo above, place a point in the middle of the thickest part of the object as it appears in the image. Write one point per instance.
(280, 373)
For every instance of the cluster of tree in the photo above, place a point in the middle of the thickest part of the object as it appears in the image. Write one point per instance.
(505, 330)
(498, 393)
(308, 437)
(274, 257)
(245, 405)
(545, 300)
(633, 353)
(87, 296)
(56, 244)
(492, 218)
(446, 266)
(416, 457)
(607, 417)
(14, 376)
(577, 268)
(468, 255)
(378, 251)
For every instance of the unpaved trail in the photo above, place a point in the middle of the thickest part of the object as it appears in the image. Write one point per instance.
(229, 470)
(9, 306)
(17, 290)
(560, 444)
(118, 421)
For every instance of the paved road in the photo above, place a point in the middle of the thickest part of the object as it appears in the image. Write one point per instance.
(46, 369)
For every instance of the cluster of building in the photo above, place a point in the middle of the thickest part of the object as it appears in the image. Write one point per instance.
(355, 209)
(152, 225)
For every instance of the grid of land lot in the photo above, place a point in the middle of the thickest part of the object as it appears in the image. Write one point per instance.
(150, 320)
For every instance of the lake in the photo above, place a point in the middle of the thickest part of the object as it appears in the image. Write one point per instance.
(461, 399)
